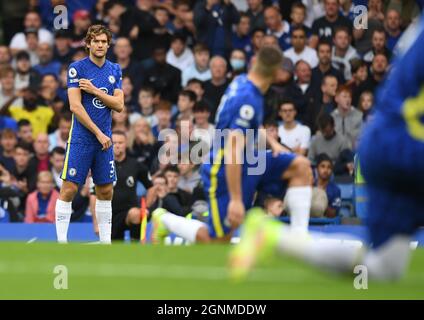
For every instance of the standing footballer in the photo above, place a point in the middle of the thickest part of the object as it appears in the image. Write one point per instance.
(94, 90)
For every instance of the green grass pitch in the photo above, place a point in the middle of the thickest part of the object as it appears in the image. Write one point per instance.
(124, 271)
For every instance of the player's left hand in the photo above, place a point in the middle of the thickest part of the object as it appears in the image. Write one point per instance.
(87, 86)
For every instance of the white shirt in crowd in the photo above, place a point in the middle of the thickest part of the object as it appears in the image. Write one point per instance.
(299, 136)
(308, 55)
(18, 41)
(184, 61)
(192, 73)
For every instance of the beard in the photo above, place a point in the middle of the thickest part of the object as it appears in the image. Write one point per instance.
(98, 55)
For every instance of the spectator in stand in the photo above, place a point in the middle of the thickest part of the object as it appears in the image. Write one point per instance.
(40, 204)
(214, 20)
(57, 158)
(145, 106)
(120, 121)
(363, 33)
(347, 119)
(343, 52)
(324, 104)
(278, 27)
(241, 34)
(200, 69)
(216, 86)
(184, 198)
(291, 133)
(139, 25)
(163, 115)
(24, 175)
(257, 37)
(392, 24)
(378, 46)
(41, 159)
(25, 75)
(366, 104)
(25, 133)
(130, 67)
(256, 13)
(327, 141)
(32, 40)
(325, 67)
(161, 198)
(298, 16)
(301, 91)
(162, 33)
(203, 130)
(162, 76)
(299, 50)
(185, 104)
(60, 136)
(359, 76)
(324, 28)
(180, 55)
(81, 22)
(238, 63)
(8, 93)
(32, 20)
(39, 116)
(8, 143)
(189, 176)
(47, 64)
(378, 70)
(141, 143)
(324, 181)
(62, 51)
(5, 56)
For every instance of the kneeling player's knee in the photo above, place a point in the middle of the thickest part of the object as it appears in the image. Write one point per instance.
(202, 235)
(302, 168)
(134, 216)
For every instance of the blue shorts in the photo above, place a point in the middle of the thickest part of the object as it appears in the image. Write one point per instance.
(215, 187)
(82, 157)
(392, 165)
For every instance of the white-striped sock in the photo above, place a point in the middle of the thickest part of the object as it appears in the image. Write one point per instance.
(63, 216)
(104, 219)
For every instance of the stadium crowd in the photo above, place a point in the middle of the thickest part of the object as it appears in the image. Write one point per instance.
(177, 58)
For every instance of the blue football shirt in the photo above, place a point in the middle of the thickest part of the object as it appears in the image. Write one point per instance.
(107, 78)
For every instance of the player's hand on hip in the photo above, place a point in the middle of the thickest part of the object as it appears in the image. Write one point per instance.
(235, 213)
(104, 141)
(87, 86)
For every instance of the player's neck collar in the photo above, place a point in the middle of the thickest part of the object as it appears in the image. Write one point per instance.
(92, 61)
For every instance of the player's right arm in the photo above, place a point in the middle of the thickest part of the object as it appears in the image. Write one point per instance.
(79, 111)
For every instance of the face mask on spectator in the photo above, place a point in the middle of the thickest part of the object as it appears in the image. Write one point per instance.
(237, 64)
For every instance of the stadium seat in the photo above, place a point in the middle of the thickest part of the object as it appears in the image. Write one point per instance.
(347, 206)
(4, 216)
(317, 221)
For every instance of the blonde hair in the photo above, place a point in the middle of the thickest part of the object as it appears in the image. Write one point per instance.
(132, 135)
(268, 59)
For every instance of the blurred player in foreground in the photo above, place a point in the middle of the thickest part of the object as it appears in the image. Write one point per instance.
(391, 152)
(229, 186)
(94, 90)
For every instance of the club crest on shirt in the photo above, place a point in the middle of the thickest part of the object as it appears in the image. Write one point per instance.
(72, 172)
(112, 79)
(72, 72)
